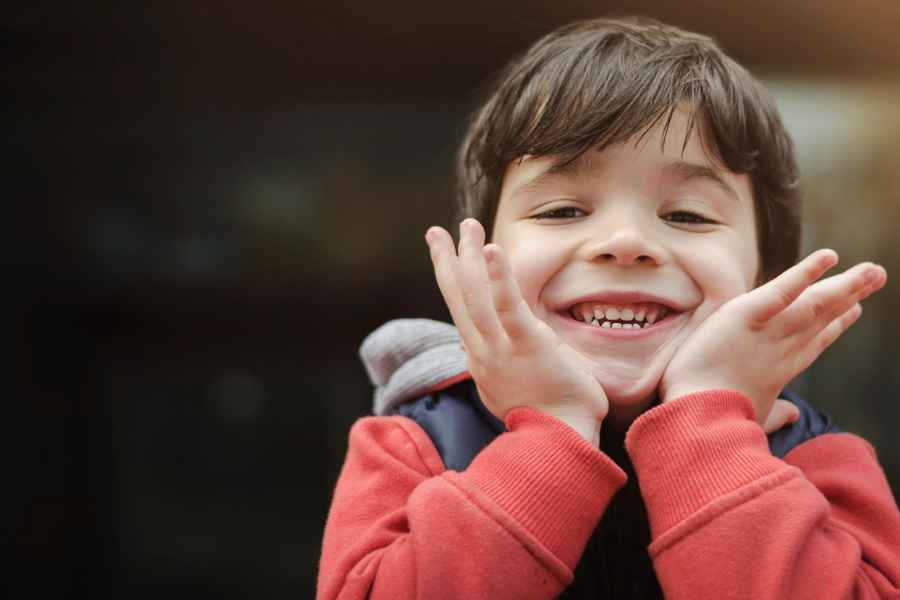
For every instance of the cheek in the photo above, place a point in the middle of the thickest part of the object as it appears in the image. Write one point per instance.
(726, 282)
(723, 277)
(532, 267)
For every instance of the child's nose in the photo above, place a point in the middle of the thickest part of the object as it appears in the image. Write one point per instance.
(624, 241)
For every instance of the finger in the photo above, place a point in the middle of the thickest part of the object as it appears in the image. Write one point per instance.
(783, 412)
(770, 299)
(474, 283)
(512, 311)
(446, 271)
(811, 350)
(825, 301)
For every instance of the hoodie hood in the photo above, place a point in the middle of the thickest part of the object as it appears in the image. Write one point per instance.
(407, 358)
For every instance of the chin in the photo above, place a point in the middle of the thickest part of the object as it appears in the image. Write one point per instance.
(625, 382)
(628, 398)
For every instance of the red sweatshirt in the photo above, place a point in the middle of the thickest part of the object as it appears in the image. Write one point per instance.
(728, 519)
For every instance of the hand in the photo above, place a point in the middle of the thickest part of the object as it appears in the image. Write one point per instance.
(759, 341)
(515, 358)
(782, 413)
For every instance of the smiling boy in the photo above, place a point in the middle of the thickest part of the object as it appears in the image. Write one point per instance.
(596, 425)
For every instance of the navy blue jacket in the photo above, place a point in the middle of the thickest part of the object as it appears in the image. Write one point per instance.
(615, 563)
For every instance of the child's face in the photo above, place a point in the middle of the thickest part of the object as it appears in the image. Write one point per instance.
(618, 230)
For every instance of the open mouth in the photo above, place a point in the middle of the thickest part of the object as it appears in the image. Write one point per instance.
(638, 315)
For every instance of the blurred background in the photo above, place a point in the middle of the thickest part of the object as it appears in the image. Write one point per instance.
(210, 204)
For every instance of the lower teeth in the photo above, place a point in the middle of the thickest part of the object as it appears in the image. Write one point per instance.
(619, 325)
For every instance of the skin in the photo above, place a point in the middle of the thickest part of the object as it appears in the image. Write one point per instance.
(625, 234)
(620, 225)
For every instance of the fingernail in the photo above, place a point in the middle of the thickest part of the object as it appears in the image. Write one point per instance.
(462, 228)
(871, 274)
(488, 255)
(428, 237)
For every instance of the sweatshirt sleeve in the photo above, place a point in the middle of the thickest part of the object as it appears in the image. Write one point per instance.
(729, 520)
(512, 525)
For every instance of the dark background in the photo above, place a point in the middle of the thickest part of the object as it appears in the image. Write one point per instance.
(210, 204)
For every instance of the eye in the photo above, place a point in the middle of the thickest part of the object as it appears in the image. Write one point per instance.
(566, 212)
(690, 218)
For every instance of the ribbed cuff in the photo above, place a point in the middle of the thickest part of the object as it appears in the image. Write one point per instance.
(694, 449)
(549, 479)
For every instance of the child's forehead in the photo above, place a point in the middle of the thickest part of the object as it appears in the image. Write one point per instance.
(662, 145)
(531, 173)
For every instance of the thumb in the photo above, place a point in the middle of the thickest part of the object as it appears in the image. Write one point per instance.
(783, 412)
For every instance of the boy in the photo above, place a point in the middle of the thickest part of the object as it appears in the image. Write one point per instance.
(596, 426)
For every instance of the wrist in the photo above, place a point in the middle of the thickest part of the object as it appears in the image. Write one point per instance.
(587, 428)
(684, 390)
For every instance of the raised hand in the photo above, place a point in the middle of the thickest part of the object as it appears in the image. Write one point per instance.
(515, 358)
(759, 341)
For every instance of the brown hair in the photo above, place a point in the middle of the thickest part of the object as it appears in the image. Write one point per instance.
(597, 83)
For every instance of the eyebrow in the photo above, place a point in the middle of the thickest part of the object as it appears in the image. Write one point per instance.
(679, 169)
(588, 163)
(685, 171)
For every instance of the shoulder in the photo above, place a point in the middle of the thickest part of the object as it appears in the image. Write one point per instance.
(812, 423)
(420, 373)
(845, 467)
(456, 421)
(382, 442)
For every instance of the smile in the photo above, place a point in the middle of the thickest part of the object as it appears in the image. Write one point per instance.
(616, 316)
(631, 321)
